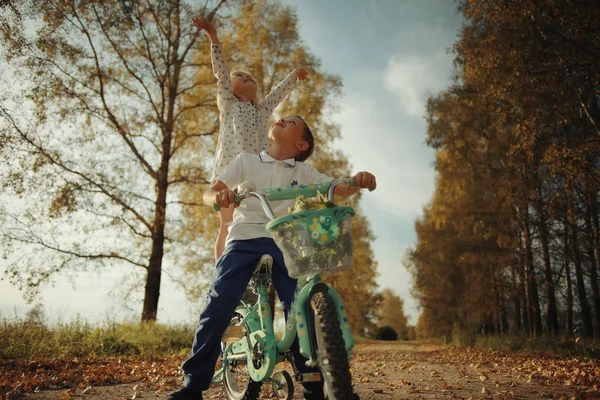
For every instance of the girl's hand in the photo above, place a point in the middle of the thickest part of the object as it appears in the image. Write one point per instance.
(365, 180)
(225, 198)
(301, 73)
(208, 27)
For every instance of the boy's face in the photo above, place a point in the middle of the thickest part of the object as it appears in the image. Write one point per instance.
(288, 132)
(243, 83)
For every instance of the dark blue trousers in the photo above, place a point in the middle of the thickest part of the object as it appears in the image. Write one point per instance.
(230, 279)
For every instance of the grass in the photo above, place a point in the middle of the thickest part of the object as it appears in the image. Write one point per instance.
(547, 345)
(26, 340)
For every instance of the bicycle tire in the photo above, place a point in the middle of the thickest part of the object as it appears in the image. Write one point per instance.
(252, 389)
(331, 352)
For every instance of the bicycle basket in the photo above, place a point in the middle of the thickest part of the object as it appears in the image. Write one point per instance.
(316, 241)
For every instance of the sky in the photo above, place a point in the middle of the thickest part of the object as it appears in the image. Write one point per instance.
(391, 55)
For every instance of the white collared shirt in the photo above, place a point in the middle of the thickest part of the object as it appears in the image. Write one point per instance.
(249, 219)
(243, 126)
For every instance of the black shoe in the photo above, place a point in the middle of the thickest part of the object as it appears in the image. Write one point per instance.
(185, 393)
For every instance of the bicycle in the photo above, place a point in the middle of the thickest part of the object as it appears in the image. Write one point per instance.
(313, 242)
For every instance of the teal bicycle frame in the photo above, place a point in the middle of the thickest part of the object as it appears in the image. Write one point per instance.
(259, 341)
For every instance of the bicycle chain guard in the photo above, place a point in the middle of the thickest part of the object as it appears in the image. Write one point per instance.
(268, 352)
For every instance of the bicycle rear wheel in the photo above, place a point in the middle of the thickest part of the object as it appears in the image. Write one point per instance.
(332, 356)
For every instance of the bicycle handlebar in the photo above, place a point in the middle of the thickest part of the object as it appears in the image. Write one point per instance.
(291, 192)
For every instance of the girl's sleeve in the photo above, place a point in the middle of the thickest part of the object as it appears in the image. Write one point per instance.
(221, 72)
(279, 93)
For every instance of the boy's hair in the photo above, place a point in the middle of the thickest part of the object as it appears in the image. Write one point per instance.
(308, 138)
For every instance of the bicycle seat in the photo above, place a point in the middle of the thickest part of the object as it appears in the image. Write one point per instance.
(263, 266)
(266, 261)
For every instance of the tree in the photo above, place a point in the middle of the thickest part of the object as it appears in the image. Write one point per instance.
(105, 84)
(112, 131)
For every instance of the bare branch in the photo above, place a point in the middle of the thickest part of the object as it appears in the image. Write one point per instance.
(195, 85)
(123, 61)
(187, 179)
(111, 116)
(186, 203)
(64, 167)
(57, 249)
(192, 107)
(179, 145)
(159, 77)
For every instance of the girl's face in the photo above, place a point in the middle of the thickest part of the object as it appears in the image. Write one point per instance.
(243, 84)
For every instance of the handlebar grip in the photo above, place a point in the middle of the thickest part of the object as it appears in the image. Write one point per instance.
(217, 208)
(353, 184)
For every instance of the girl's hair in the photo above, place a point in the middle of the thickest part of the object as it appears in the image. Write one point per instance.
(308, 138)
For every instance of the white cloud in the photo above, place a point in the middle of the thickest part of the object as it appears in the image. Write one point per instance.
(390, 148)
(412, 77)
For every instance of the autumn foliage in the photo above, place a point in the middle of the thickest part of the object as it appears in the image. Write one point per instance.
(510, 242)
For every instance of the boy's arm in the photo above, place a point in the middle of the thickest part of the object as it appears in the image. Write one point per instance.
(219, 63)
(233, 175)
(219, 194)
(283, 89)
(364, 180)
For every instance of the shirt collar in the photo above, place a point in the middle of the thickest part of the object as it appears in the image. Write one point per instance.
(264, 157)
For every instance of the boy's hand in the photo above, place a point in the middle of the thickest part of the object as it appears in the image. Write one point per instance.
(208, 27)
(301, 73)
(365, 180)
(225, 198)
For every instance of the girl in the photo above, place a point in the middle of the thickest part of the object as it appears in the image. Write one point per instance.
(244, 122)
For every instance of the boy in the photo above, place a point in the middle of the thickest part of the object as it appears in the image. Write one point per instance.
(290, 143)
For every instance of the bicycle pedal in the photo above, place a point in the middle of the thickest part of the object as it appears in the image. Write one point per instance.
(233, 334)
(310, 377)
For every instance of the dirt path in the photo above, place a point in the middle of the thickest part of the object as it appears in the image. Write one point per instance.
(413, 370)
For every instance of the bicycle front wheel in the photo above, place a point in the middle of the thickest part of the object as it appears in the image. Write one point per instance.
(332, 356)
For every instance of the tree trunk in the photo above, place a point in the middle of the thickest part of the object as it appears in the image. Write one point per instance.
(516, 298)
(593, 267)
(503, 318)
(153, 277)
(523, 287)
(497, 303)
(588, 329)
(152, 289)
(569, 322)
(594, 211)
(533, 300)
(551, 313)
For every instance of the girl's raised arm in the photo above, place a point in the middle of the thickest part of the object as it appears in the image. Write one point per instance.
(220, 68)
(283, 89)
